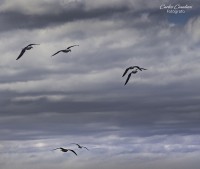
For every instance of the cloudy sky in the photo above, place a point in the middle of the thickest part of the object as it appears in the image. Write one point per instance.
(47, 102)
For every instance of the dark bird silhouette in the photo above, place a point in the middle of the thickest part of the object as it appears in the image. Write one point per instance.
(65, 50)
(65, 150)
(129, 75)
(79, 146)
(29, 47)
(132, 67)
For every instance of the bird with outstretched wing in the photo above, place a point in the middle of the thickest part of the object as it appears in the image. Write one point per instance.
(132, 67)
(65, 150)
(79, 146)
(64, 50)
(28, 47)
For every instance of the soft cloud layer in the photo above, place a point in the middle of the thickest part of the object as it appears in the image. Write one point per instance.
(48, 102)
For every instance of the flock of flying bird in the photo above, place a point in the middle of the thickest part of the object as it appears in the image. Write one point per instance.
(68, 49)
(66, 150)
(134, 69)
(30, 46)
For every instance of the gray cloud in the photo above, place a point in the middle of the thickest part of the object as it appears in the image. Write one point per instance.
(80, 96)
(18, 20)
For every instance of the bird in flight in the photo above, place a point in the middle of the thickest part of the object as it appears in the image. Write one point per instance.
(79, 146)
(65, 150)
(64, 50)
(28, 47)
(132, 67)
(129, 75)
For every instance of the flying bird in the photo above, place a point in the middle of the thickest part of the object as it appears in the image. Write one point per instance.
(79, 146)
(28, 47)
(65, 50)
(65, 150)
(129, 75)
(132, 67)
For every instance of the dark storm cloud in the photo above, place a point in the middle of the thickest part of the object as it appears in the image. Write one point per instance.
(162, 111)
(13, 20)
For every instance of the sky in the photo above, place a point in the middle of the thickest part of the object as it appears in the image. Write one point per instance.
(46, 102)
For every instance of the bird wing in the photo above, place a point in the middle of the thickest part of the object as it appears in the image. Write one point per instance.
(21, 53)
(57, 52)
(71, 46)
(72, 151)
(140, 68)
(32, 44)
(126, 71)
(56, 148)
(86, 148)
(128, 78)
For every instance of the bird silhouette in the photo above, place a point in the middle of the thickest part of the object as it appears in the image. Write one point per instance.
(28, 47)
(132, 67)
(65, 50)
(65, 150)
(79, 146)
(129, 75)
